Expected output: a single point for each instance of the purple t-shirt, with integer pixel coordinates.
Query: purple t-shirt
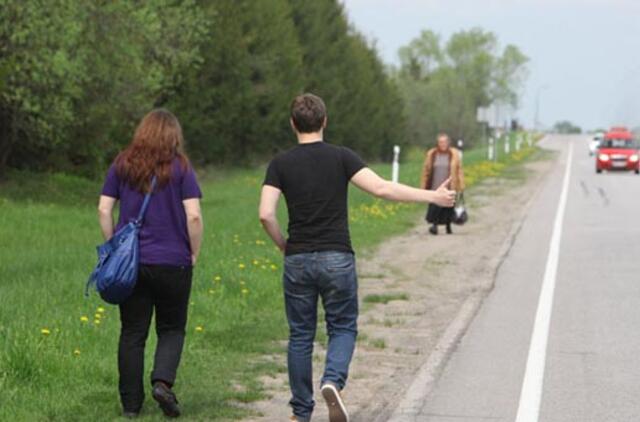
(164, 239)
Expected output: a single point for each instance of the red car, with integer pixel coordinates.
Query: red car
(617, 152)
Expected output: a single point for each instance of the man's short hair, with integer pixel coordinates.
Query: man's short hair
(308, 113)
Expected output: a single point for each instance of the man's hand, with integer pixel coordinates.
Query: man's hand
(444, 197)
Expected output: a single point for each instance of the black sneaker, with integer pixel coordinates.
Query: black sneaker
(433, 229)
(337, 411)
(166, 399)
(449, 231)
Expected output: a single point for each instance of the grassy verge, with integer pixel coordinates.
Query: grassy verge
(58, 350)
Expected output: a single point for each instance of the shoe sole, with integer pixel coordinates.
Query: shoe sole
(168, 404)
(337, 411)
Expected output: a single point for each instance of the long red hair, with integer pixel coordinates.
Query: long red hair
(156, 142)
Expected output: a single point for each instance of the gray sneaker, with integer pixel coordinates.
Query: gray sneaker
(337, 411)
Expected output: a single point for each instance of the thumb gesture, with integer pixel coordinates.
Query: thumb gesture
(445, 197)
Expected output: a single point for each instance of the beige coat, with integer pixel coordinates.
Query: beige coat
(455, 170)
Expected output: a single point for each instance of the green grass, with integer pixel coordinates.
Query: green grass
(385, 298)
(378, 343)
(48, 229)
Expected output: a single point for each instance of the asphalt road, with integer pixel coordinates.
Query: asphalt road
(583, 362)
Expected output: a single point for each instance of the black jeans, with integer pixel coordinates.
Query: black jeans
(165, 289)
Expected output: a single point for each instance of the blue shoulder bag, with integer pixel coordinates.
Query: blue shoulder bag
(116, 273)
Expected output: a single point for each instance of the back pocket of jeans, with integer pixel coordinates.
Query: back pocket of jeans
(340, 266)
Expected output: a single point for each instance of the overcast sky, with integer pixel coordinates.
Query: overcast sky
(586, 52)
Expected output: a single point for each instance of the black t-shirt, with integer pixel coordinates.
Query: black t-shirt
(314, 179)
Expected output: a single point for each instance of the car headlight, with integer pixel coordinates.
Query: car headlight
(603, 157)
(633, 158)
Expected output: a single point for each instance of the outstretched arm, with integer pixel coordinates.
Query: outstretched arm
(268, 208)
(367, 180)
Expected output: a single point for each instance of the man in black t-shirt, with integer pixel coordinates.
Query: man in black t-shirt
(319, 261)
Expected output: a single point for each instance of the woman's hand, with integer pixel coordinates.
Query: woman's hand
(193, 260)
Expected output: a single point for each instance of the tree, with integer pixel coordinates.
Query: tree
(508, 77)
(76, 76)
(422, 56)
(42, 77)
(235, 106)
(566, 127)
(80, 74)
(365, 109)
(443, 84)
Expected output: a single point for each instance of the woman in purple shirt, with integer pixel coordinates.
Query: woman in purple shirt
(170, 241)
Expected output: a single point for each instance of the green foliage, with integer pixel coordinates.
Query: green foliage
(76, 76)
(509, 75)
(79, 74)
(365, 108)
(566, 127)
(443, 84)
(235, 106)
(385, 298)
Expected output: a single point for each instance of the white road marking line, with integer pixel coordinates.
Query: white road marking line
(531, 393)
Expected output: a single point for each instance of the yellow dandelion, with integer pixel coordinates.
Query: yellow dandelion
(76, 352)
(211, 291)
(217, 278)
(84, 318)
(45, 331)
(97, 316)
(256, 262)
(245, 291)
(264, 267)
(242, 283)
(273, 267)
(101, 310)
(96, 321)
(241, 266)
(199, 328)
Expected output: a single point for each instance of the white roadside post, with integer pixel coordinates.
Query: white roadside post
(518, 141)
(395, 167)
(490, 150)
(460, 147)
(507, 145)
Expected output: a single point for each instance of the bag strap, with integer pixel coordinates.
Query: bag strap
(460, 198)
(145, 203)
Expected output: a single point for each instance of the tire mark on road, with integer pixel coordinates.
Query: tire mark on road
(585, 189)
(604, 196)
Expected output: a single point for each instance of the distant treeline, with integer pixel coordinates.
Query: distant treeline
(444, 83)
(76, 76)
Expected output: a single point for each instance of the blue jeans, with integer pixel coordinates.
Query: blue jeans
(332, 277)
